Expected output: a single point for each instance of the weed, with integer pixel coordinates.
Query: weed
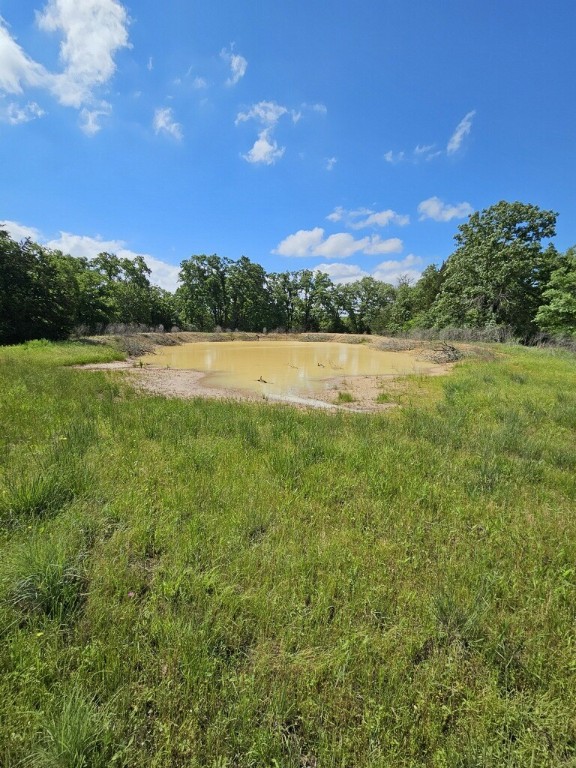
(345, 397)
(43, 579)
(76, 734)
(39, 496)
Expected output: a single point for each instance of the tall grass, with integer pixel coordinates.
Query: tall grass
(228, 584)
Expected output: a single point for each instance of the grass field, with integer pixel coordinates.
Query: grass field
(224, 585)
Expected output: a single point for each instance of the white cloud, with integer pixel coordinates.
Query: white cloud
(362, 218)
(392, 271)
(342, 273)
(376, 245)
(434, 208)
(387, 271)
(320, 108)
(340, 245)
(380, 219)
(462, 130)
(426, 152)
(164, 123)
(20, 231)
(199, 83)
(337, 214)
(237, 63)
(265, 150)
(302, 243)
(150, 65)
(394, 157)
(92, 32)
(268, 113)
(330, 163)
(14, 114)
(90, 118)
(265, 112)
(17, 69)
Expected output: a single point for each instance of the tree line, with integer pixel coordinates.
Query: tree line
(501, 276)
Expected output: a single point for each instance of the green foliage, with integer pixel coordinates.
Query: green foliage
(499, 271)
(557, 315)
(38, 295)
(498, 278)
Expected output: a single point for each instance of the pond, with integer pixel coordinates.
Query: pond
(281, 367)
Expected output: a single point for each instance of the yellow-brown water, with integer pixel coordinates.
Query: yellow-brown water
(281, 367)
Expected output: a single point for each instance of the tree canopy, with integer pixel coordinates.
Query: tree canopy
(502, 275)
(499, 270)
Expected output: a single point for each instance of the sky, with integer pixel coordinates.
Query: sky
(351, 137)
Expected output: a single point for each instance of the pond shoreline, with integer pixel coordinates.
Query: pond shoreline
(363, 390)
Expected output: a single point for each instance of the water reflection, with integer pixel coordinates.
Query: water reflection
(280, 367)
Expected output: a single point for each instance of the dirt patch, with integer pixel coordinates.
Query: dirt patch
(364, 393)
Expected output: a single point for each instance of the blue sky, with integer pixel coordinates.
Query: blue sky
(354, 137)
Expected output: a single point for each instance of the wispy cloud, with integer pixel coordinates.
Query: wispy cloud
(364, 218)
(462, 130)
(341, 245)
(90, 118)
(238, 65)
(394, 157)
(427, 152)
(266, 112)
(92, 32)
(435, 209)
(14, 114)
(164, 122)
(330, 163)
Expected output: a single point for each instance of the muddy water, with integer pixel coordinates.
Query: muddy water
(281, 367)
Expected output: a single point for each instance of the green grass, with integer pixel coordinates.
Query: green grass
(345, 397)
(201, 583)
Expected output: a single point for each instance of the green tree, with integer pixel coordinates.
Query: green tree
(557, 314)
(395, 317)
(203, 294)
(424, 295)
(364, 301)
(499, 270)
(38, 292)
(248, 296)
(283, 287)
